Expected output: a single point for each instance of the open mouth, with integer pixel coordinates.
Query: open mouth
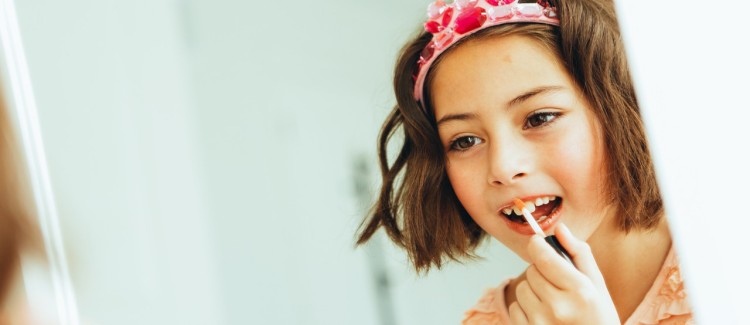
(541, 208)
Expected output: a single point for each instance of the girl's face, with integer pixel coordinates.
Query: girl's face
(514, 124)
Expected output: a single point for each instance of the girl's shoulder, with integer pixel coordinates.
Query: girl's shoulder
(666, 302)
(490, 309)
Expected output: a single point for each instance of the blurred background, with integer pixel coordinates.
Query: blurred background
(211, 161)
(208, 162)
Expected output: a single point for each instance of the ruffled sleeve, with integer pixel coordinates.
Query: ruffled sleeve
(490, 309)
(666, 302)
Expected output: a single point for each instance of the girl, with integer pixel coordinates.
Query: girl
(504, 99)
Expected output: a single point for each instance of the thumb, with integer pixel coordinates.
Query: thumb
(580, 252)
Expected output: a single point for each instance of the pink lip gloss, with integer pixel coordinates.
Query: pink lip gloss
(551, 239)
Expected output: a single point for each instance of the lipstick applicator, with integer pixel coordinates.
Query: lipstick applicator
(551, 239)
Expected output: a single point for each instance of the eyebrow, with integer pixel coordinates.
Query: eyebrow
(457, 117)
(531, 93)
(513, 102)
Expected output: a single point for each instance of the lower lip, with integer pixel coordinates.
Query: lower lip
(525, 228)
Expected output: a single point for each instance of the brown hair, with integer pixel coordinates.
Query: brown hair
(16, 226)
(417, 205)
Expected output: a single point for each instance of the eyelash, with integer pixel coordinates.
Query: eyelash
(554, 116)
(453, 146)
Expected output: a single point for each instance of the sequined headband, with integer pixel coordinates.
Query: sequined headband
(449, 23)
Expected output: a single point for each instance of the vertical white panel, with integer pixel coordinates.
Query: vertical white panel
(690, 62)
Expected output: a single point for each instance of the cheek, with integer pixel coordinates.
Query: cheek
(576, 162)
(465, 179)
(460, 178)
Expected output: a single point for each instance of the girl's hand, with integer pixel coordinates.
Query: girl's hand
(555, 292)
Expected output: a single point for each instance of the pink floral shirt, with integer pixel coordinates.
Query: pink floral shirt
(665, 303)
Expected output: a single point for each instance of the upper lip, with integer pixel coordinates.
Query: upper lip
(533, 198)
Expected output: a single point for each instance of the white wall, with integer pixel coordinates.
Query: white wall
(203, 155)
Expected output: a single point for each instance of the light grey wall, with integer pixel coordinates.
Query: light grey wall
(203, 156)
(111, 82)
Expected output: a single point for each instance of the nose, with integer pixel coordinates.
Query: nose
(508, 162)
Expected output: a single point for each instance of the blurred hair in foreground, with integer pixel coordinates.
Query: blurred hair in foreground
(18, 233)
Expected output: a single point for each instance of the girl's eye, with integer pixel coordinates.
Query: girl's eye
(540, 119)
(464, 143)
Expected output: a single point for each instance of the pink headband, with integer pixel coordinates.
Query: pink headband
(450, 23)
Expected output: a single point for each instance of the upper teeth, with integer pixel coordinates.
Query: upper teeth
(530, 205)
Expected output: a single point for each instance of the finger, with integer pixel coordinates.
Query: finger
(517, 316)
(580, 252)
(544, 290)
(552, 266)
(527, 299)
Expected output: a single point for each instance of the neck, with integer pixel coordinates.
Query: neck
(630, 262)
